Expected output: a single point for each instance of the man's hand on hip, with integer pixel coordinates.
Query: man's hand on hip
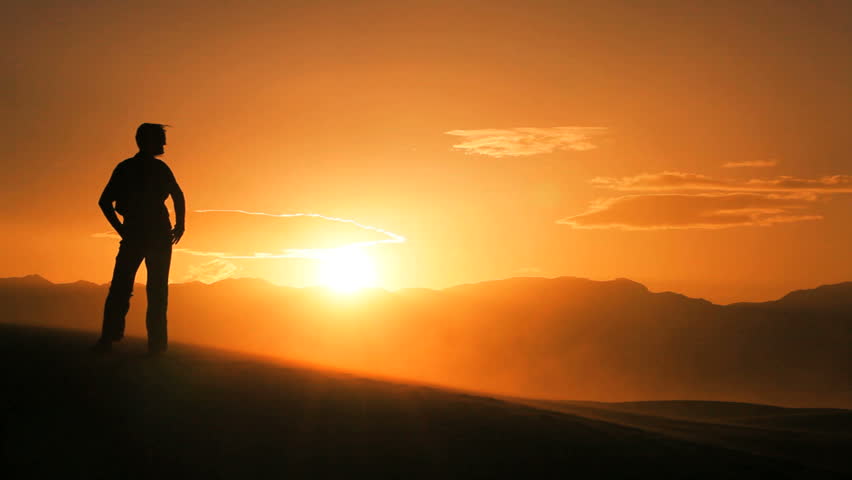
(177, 233)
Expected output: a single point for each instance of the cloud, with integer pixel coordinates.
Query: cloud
(314, 253)
(680, 181)
(212, 271)
(751, 164)
(679, 200)
(111, 235)
(692, 211)
(525, 141)
(240, 234)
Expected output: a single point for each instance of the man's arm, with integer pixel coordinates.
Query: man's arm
(105, 202)
(180, 213)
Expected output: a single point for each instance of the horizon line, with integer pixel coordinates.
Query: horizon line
(394, 290)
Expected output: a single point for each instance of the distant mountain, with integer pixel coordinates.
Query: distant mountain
(536, 337)
(824, 297)
(27, 281)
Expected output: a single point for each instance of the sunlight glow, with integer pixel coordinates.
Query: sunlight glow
(346, 270)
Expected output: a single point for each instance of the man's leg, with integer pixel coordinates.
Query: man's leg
(120, 290)
(158, 260)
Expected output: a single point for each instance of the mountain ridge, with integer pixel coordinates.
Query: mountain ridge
(36, 280)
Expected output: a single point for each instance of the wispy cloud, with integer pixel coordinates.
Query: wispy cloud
(692, 211)
(680, 181)
(212, 271)
(111, 235)
(221, 252)
(751, 164)
(315, 253)
(526, 141)
(680, 200)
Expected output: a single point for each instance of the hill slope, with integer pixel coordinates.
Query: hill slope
(811, 436)
(210, 414)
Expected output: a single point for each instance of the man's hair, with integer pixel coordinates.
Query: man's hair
(148, 132)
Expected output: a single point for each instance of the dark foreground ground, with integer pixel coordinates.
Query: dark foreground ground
(198, 413)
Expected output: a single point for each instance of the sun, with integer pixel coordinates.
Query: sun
(347, 270)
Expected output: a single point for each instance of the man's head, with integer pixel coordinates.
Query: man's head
(151, 137)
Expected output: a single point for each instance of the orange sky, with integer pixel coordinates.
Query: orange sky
(497, 139)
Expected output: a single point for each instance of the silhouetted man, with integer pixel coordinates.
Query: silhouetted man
(139, 187)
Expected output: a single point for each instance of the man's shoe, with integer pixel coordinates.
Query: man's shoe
(102, 346)
(155, 351)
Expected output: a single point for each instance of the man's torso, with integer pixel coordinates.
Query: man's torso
(142, 185)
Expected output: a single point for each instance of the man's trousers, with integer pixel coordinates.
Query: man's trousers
(156, 251)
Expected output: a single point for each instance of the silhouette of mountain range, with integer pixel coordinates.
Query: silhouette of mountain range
(560, 338)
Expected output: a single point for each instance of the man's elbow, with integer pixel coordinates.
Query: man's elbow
(104, 204)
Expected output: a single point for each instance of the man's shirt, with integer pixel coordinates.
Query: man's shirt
(139, 186)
